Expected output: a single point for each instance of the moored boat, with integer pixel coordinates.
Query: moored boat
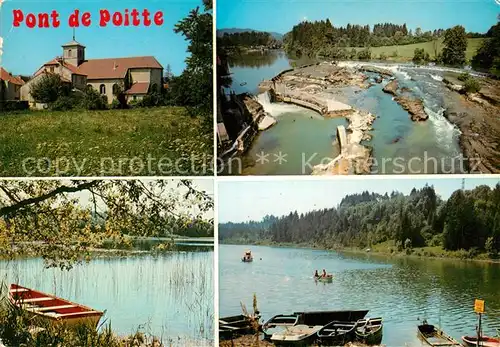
(434, 336)
(278, 323)
(52, 308)
(484, 341)
(297, 335)
(369, 331)
(232, 326)
(337, 333)
(247, 257)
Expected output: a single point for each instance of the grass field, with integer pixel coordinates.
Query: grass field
(406, 52)
(137, 142)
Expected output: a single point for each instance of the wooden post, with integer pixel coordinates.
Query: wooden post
(479, 331)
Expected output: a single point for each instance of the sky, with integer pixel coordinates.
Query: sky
(25, 49)
(240, 201)
(281, 15)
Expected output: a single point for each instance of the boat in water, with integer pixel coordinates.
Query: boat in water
(369, 331)
(52, 309)
(247, 257)
(337, 333)
(233, 326)
(484, 341)
(434, 336)
(326, 279)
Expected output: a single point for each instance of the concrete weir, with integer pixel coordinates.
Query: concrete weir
(311, 87)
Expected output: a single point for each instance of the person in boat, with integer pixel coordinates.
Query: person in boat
(316, 274)
(324, 274)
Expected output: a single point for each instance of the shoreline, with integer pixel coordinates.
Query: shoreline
(353, 250)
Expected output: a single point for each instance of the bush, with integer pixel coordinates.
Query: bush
(92, 100)
(395, 54)
(152, 100)
(63, 103)
(365, 54)
(472, 85)
(115, 105)
(420, 56)
(13, 105)
(49, 88)
(383, 56)
(490, 247)
(464, 76)
(399, 246)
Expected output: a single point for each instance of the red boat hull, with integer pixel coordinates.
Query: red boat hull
(485, 341)
(51, 308)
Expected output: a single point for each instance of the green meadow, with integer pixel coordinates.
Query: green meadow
(406, 52)
(161, 141)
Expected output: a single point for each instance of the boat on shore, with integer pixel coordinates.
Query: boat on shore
(232, 326)
(282, 322)
(434, 336)
(297, 335)
(51, 308)
(278, 323)
(247, 257)
(369, 331)
(337, 333)
(484, 341)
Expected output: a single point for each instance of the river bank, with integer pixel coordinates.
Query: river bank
(476, 115)
(251, 341)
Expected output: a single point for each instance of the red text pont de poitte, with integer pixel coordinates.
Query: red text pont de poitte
(77, 18)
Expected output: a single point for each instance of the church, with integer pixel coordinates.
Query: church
(135, 76)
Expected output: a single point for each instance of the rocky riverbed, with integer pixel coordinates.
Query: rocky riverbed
(477, 116)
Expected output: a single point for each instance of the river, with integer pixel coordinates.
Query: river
(308, 139)
(169, 296)
(403, 291)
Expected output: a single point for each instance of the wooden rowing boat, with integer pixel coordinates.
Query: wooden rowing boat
(484, 341)
(232, 326)
(297, 335)
(51, 308)
(278, 323)
(337, 333)
(369, 331)
(435, 337)
(327, 279)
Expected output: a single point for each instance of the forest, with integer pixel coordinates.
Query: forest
(468, 222)
(307, 37)
(249, 39)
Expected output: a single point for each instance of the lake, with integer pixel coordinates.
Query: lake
(403, 291)
(169, 296)
(306, 137)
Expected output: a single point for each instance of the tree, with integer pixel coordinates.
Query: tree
(49, 88)
(455, 42)
(420, 56)
(197, 77)
(49, 218)
(488, 55)
(168, 75)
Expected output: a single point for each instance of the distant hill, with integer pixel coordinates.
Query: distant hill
(221, 32)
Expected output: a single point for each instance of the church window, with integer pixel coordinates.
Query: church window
(102, 89)
(116, 89)
(69, 53)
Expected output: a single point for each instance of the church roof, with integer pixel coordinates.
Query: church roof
(115, 67)
(138, 88)
(73, 43)
(71, 67)
(6, 76)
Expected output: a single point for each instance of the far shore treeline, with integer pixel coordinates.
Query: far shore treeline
(321, 39)
(467, 225)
